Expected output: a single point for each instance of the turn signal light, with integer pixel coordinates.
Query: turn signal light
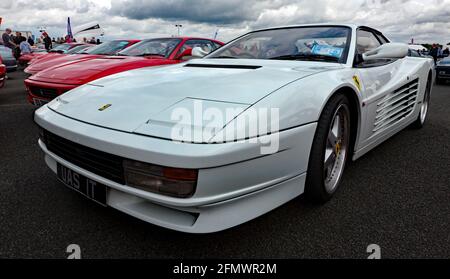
(175, 182)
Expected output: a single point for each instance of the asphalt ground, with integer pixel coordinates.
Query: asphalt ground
(397, 196)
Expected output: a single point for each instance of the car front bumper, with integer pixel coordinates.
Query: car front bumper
(443, 73)
(50, 91)
(236, 183)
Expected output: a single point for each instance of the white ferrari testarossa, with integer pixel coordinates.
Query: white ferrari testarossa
(211, 143)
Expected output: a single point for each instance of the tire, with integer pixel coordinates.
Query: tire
(329, 151)
(425, 105)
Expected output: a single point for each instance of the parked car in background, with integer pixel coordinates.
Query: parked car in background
(52, 82)
(56, 50)
(182, 146)
(2, 73)
(415, 53)
(52, 55)
(8, 59)
(443, 71)
(108, 48)
(36, 52)
(64, 48)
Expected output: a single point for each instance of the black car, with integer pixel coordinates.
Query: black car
(443, 70)
(8, 59)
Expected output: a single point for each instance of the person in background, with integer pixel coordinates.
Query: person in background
(17, 40)
(92, 41)
(31, 41)
(440, 54)
(7, 40)
(446, 52)
(98, 42)
(47, 41)
(85, 40)
(25, 47)
(434, 53)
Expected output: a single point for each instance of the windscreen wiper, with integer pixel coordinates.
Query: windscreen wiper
(310, 57)
(225, 57)
(151, 54)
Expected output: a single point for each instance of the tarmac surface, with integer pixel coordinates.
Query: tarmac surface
(397, 196)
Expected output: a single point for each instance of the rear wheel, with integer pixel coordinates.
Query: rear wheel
(420, 121)
(329, 151)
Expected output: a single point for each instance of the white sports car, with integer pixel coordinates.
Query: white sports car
(211, 143)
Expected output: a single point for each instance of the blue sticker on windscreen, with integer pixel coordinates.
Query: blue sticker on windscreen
(327, 50)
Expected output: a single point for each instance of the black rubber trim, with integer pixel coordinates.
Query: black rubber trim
(248, 67)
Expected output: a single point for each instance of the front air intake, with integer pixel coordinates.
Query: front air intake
(246, 67)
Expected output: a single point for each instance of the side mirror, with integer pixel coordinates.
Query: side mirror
(199, 52)
(187, 52)
(387, 51)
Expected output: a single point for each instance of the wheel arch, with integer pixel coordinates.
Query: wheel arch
(355, 111)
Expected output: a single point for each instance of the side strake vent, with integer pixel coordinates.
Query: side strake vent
(248, 67)
(396, 106)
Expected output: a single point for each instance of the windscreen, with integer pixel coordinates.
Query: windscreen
(299, 43)
(108, 48)
(153, 47)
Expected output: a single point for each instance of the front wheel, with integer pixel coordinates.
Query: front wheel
(329, 150)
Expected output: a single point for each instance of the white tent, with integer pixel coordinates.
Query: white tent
(88, 30)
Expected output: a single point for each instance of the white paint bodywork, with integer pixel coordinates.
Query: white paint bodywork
(236, 183)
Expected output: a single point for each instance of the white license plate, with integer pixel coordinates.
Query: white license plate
(83, 185)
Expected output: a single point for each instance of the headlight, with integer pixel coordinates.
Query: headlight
(173, 182)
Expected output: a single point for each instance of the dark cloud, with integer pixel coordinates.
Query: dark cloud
(401, 20)
(204, 11)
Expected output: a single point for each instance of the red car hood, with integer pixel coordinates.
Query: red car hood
(29, 56)
(84, 71)
(55, 60)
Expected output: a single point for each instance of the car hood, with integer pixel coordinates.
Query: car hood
(56, 60)
(81, 72)
(144, 101)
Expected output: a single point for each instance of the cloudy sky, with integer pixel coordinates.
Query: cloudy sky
(401, 20)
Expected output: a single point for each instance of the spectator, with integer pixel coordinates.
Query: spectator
(434, 53)
(85, 40)
(92, 41)
(98, 42)
(25, 47)
(47, 41)
(7, 40)
(17, 40)
(31, 41)
(440, 54)
(446, 52)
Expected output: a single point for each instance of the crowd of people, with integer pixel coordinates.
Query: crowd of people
(67, 39)
(437, 51)
(22, 45)
(17, 43)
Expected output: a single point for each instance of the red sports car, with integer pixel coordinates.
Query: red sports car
(48, 61)
(48, 84)
(2, 73)
(52, 55)
(37, 52)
